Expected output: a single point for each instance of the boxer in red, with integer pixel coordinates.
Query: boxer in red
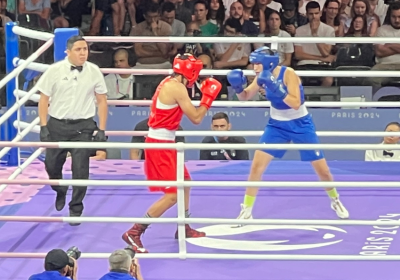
(170, 102)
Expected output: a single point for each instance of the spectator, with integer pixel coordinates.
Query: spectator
(388, 55)
(248, 27)
(231, 55)
(358, 27)
(5, 12)
(57, 264)
(315, 56)
(136, 154)
(168, 15)
(274, 28)
(34, 13)
(291, 19)
(220, 122)
(150, 54)
(122, 267)
(120, 86)
(362, 7)
(331, 17)
(253, 13)
(200, 14)
(182, 13)
(267, 6)
(303, 5)
(386, 155)
(345, 11)
(216, 13)
(192, 29)
(109, 11)
(67, 13)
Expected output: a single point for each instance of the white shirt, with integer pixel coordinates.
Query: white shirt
(377, 155)
(241, 51)
(118, 87)
(72, 93)
(324, 30)
(388, 31)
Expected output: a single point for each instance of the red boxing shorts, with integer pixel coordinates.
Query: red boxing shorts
(161, 165)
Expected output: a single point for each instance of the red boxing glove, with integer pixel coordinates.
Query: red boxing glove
(210, 89)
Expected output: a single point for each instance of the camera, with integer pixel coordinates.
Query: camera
(73, 252)
(130, 251)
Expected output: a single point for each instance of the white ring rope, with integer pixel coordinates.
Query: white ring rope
(239, 104)
(30, 33)
(36, 129)
(197, 146)
(208, 72)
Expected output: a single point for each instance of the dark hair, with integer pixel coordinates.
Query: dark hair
(393, 123)
(364, 30)
(151, 7)
(336, 20)
(282, 26)
(394, 6)
(71, 41)
(219, 116)
(167, 7)
(201, 2)
(255, 11)
(234, 23)
(312, 5)
(220, 15)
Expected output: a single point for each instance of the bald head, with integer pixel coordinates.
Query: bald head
(121, 59)
(120, 259)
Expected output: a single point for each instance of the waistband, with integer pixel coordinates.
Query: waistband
(161, 134)
(288, 114)
(70, 121)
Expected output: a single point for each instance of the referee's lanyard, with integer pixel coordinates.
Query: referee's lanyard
(128, 91)
(225, 152)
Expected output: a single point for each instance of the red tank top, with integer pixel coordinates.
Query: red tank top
(167, 118)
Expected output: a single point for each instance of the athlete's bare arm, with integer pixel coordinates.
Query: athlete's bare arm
(292, 82)
(249, 92)
(178, 94)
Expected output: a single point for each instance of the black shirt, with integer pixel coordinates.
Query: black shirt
(220, 154)
(143, 126)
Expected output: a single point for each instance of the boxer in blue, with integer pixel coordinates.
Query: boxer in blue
(289, 122)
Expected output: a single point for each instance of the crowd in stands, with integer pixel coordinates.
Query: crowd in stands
(196, 18)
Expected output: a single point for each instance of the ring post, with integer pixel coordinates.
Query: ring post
(61, 36)
(180, 178)
(12, 51)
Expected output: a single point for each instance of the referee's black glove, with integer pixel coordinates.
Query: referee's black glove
(44, 134)
(100, 136)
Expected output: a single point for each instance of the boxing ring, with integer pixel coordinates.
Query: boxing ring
(294, 231)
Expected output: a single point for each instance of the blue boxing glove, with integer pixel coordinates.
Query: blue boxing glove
(237, 80)
(267, 80)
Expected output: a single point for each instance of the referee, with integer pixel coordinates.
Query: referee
(69, 90)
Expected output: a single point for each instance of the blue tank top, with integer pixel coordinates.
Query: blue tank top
(276, 102)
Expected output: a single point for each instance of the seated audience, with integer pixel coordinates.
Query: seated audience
(285, 50)
(150, 54)
(253, 13)
(34, 13)
(120, 86)
(315, 56)
(362, 7)
(233, 55)
(216, 13)
(182, 12)
(248, 27)
(358, 27)
(67, 13)
(388, 55)
(109, 12)
(291, 18)
(137, 154)
(5, 12)
(331, 17)
(220, 122)
(192, 30)
(207, 28)
(386, 155)
(168, 13)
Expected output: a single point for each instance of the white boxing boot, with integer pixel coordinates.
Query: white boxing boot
(244, 214)
(338, 207)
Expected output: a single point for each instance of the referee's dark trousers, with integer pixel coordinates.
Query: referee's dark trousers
(80, 130)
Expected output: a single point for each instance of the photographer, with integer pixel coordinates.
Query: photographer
(123, 266)
(58, 265)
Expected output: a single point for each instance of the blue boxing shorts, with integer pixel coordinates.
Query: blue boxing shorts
(298, 131)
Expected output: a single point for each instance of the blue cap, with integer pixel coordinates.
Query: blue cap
(265, 56)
